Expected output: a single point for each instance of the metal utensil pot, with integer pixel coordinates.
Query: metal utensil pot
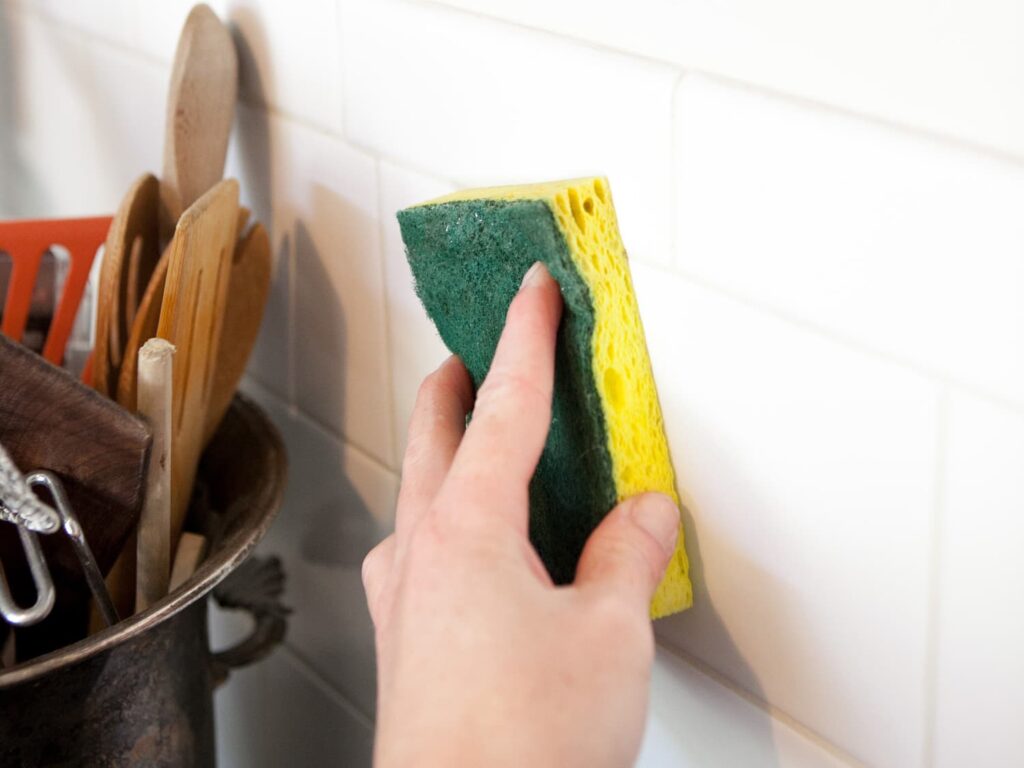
(140, 693)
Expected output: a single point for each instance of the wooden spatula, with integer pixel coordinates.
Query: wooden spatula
(191, 318)
(247, 296)
(49, 420)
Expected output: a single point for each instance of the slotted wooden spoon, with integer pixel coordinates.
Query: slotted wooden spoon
(192, 317)
(148, 318)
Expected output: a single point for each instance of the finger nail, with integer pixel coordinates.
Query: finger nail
(658, 515)
(534, 276)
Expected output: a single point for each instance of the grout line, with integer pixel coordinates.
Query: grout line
(312, 423)
(302, 664)
(935, 553)
(355, 145)
(770, 709)
(88, 36)
(273, 110)
(932, 134)
(837, 337)
(927, 133)
(564, 37)
(911, 130)
(408, 165)
(388, 340)
(347, 442)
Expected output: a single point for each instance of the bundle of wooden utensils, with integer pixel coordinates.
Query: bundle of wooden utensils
(182, 285)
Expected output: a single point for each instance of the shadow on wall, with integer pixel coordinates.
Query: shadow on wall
(672, 632)
(331, 538)
(337, 534)
(252, 134)
(326, 525)
(20, 194)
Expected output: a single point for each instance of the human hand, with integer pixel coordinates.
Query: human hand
(482, 661)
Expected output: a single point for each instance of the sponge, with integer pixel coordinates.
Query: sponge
(468, 253)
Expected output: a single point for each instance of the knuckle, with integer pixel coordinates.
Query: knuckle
(504, 388)
(430, 389)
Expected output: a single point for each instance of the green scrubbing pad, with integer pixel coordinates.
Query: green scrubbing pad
(468, 254)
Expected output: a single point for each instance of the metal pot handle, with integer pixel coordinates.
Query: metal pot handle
(255, 586)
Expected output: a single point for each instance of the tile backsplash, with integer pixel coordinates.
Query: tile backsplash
(824, 221)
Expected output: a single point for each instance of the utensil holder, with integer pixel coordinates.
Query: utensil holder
(140, 693)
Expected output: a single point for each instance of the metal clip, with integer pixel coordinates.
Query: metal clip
(20, 505)
(93, 575)
(39, 610)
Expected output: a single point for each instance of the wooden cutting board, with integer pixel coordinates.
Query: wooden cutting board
(50, 420)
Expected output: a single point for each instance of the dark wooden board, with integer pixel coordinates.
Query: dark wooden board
(50, 420)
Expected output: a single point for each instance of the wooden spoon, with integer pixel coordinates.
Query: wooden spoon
(191, 318)
(200, 111)
(130, 241)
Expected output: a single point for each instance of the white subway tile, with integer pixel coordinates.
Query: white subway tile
(955, 70)
(288, 57)
(81, 121)
(324, 200)
(337, 506)
(416, 348)
(277, 713)
(111, 21)
(980, 683)
(693, 722)
(906, 245)
(483, 103)
(158, 25)
(807, 473)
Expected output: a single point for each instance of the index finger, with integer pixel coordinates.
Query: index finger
(503, 442)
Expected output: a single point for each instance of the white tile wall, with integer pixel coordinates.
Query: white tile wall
(486, 104)
(908, 246)
(289, 57)
(955, 68)
(338, 505)
(278, 713)
(807, 470)
(156, 28)
(833, 305)
(981, 619)
(81, 119)
(324, 195)
(694, 721)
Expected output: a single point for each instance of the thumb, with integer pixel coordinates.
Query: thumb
(629, 551)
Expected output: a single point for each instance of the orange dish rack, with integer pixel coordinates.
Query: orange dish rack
(26, 243)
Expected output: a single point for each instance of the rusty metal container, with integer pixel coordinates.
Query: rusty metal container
(140, 693)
